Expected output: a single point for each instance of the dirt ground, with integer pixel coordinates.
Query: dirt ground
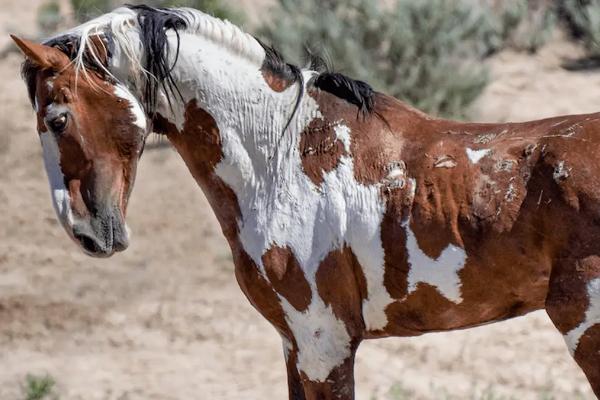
(166, 319)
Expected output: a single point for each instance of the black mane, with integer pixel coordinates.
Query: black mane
(359, 93)
(154, 24)
(356, 92)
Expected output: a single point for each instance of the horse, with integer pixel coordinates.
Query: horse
(350, 215)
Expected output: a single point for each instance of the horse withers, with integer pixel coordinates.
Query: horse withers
(350, 215)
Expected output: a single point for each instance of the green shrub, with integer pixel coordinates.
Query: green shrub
(48, 17)
(521, 24)
(86, 9)
(49, 14)
(212, 7)
(39, 388)
(425, 52)
(583, 17)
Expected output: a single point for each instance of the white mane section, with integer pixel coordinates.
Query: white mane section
(122, 26)
(224, 33)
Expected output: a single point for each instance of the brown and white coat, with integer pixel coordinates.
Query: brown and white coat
(348, 225)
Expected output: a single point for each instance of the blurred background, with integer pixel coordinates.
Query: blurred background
(166, 320)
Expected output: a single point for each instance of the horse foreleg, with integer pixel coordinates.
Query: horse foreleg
(295, 387)
(573, 304)
(306, 379)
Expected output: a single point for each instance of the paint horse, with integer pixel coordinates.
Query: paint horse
(350, 215)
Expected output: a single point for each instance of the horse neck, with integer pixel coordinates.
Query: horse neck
(227, 93)
(231, 88)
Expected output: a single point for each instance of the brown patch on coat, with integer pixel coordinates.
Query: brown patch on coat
(568, 297)
(495, 284)
(393, 240)
(295, 385)
(201, 128)
(199, 144)
(507, 200)
(342, 285)
(320, 150)
(286, 277)
(339, 384)
(374, 145)
(258, 290)
(275, 81)
(587, 356)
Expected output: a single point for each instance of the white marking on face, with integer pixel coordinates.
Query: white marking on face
(59, 192)
(139, 117)
(476, 155)
(592, 317)
(441, 273)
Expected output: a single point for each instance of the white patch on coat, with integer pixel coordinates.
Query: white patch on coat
(441, 273)
(511, 193)
(139, 117)
(477, 155)
(323, 341)
(396, 177)
(445, 161)
(59, 192)
(561, 172)
(342, 133)
(592, 317)
(395, 174)
(505, 165)
(261, 163)
(287, 347)
(280, 205)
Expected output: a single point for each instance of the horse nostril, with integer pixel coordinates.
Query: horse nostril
(88, 243)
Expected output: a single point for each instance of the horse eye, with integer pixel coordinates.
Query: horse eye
(58, 124)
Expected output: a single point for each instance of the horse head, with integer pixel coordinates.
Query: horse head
(92, 131)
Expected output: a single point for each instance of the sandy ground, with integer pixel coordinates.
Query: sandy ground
(166, 320)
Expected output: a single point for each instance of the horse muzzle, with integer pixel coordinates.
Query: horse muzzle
(102, 235)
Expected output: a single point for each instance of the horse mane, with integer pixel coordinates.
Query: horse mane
(356, 92)
(149, 53)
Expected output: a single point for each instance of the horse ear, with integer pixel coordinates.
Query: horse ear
(42, 55)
